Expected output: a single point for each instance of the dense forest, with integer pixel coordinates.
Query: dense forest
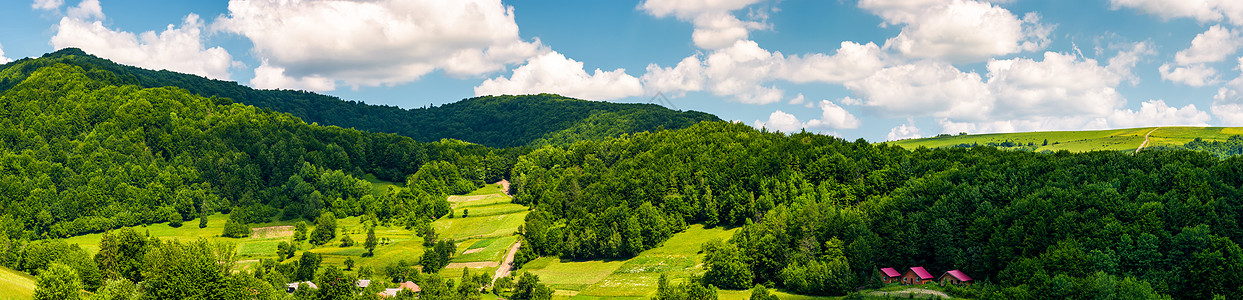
(502, 121)
(80, 152)
(819, 215)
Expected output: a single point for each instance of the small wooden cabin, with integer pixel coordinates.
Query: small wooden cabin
(889, 275)
(955, 277)
(916, 275)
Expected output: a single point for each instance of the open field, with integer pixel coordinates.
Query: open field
(1082, 141)
(16, 285)
(635, 278)
(487, 233)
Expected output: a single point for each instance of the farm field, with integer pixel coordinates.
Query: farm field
(1082, 141)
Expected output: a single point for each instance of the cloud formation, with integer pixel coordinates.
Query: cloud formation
(552, 72)
(959, 31)
(1203, 11)
(3, 60)
(715, 25)
(306, 43)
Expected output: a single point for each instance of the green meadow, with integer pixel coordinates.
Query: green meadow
(1081, 141)
(16, 285)
(487, 233)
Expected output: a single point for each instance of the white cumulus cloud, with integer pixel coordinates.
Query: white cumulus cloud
(1196, 75)
(1203, 11)
(178, 49)
(687, 76)
(47, 4)
(835, 117)
(715, 25)
(1214, 45)
(3, 60)
(1228, 114)
(552, 72)
(1061, 84)
(86, 10)
(1157, 113)
(923, 88)
(781, 121)
(384, 42)
(902, 132)
(958, 30)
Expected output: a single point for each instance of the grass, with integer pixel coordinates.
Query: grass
(634, 278)
(380, 187)
(1083, 141)
(479, 226)
(494, 250)
(16, 285)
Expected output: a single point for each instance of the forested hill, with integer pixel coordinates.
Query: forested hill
(503, 121)
(80, 151)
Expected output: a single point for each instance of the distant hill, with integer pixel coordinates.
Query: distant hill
(501, 121)
(1080, 141)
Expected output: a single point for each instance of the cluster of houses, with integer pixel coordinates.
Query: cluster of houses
(917, 275)
(362, 284)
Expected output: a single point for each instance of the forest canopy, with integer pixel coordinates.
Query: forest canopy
(494, 121)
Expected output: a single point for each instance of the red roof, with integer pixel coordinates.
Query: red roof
(919, 271)
(410, 286)
(890, 272)
(959, 274)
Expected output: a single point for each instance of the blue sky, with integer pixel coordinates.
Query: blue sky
(873, 69)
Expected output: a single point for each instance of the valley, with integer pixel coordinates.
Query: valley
(118, 182)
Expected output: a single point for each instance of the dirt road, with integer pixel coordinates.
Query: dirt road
(508, 264)
(1145, 143)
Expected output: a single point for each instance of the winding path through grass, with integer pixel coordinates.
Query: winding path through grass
(1145, 143)
(508, 263)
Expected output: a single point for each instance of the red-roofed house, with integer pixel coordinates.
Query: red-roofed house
(916, 275)
(410, 286)
(955, 277)
(889, 275)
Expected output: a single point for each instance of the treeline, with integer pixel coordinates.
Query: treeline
(133, 266)
(1222, 149)
(504, 121)
(820, 215)
(81, 154)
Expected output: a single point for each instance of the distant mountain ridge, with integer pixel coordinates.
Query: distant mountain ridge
(495, 121)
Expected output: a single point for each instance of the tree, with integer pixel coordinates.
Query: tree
(235, 228)
(285, 250)
(726, 265)
(759, 292)
(121, 254)
(325, 229)
(186, 270)
(334, 284)
(58, 282)
(299, 231)
(307, 265)
(370, 243)
(349, 263)
(346, 241)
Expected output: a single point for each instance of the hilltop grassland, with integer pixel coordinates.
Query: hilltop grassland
(1078, 141)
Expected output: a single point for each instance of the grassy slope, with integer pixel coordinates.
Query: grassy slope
(635, 278)
(493, 219)
(1082, 141)
(16, 285)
